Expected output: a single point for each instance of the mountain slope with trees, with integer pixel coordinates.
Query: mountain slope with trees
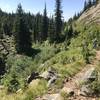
(46, 51)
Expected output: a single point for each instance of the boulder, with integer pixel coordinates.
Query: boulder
(34, 75)
(50, 75)
(52, 97)
(45, 75)
(89, 76)
(69, 91)
(84, 91)
(20, 91)
(51, 81)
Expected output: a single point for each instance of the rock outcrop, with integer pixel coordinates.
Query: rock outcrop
(7, 46)
(91, 15)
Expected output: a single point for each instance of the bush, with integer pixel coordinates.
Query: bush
(13, 85)
(95, 87)
(18, 69)
(64, 95)
(35, 91)
(2, 66)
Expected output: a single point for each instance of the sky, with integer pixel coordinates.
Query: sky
(69, 7)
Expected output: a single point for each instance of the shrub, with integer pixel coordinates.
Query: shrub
(95, 87)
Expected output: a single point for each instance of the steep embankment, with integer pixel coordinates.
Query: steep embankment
(91, 15)
(88, 25)
(74, 83)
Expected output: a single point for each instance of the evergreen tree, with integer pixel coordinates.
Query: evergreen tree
(85, 5)
(90, 3)
(58, 20)
(94, 2)
(75, 17)
(97, 1)
(38, 28)
(45, 25)
(51, 30)
(6, 27)
(22, 34)
(2, 66)
(70, 31)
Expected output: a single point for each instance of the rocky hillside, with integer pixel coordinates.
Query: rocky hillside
(55, 70)
(6, 45)
(91, 15)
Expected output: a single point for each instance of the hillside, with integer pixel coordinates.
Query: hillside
(67, 68)
(91, 15)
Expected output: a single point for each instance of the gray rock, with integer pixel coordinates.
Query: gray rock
(19, 91)
(48, 74)
(52, 97)
(98, 76)
(89, 76)
(69, 91)
(45, 75)
(52, 80)
(84, 91)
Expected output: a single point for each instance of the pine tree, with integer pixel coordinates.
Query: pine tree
(22, 34)
(58, 20)
(70, 31)
(89, 4)
(85, 5)
(94, 2)
(51, 30)
(6, 26)
(45, 25)
(75, 17)
(38, 28)
(2, 66)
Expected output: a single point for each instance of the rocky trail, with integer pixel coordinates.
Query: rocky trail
(74, 83)
(72, 86)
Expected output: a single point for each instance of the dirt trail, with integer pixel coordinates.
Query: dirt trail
(74, 83)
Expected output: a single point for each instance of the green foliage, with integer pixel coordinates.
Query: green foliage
(46, 53)
(64, 95)
(51, 30)
(58, 20)
(89, 3)
(20, 67)
(95, 87)
(68, 32)
(85, 52)
(22, 33)
(2, 66)
(66, 58)
(45, 25)
(36, 91)
(13, 84)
